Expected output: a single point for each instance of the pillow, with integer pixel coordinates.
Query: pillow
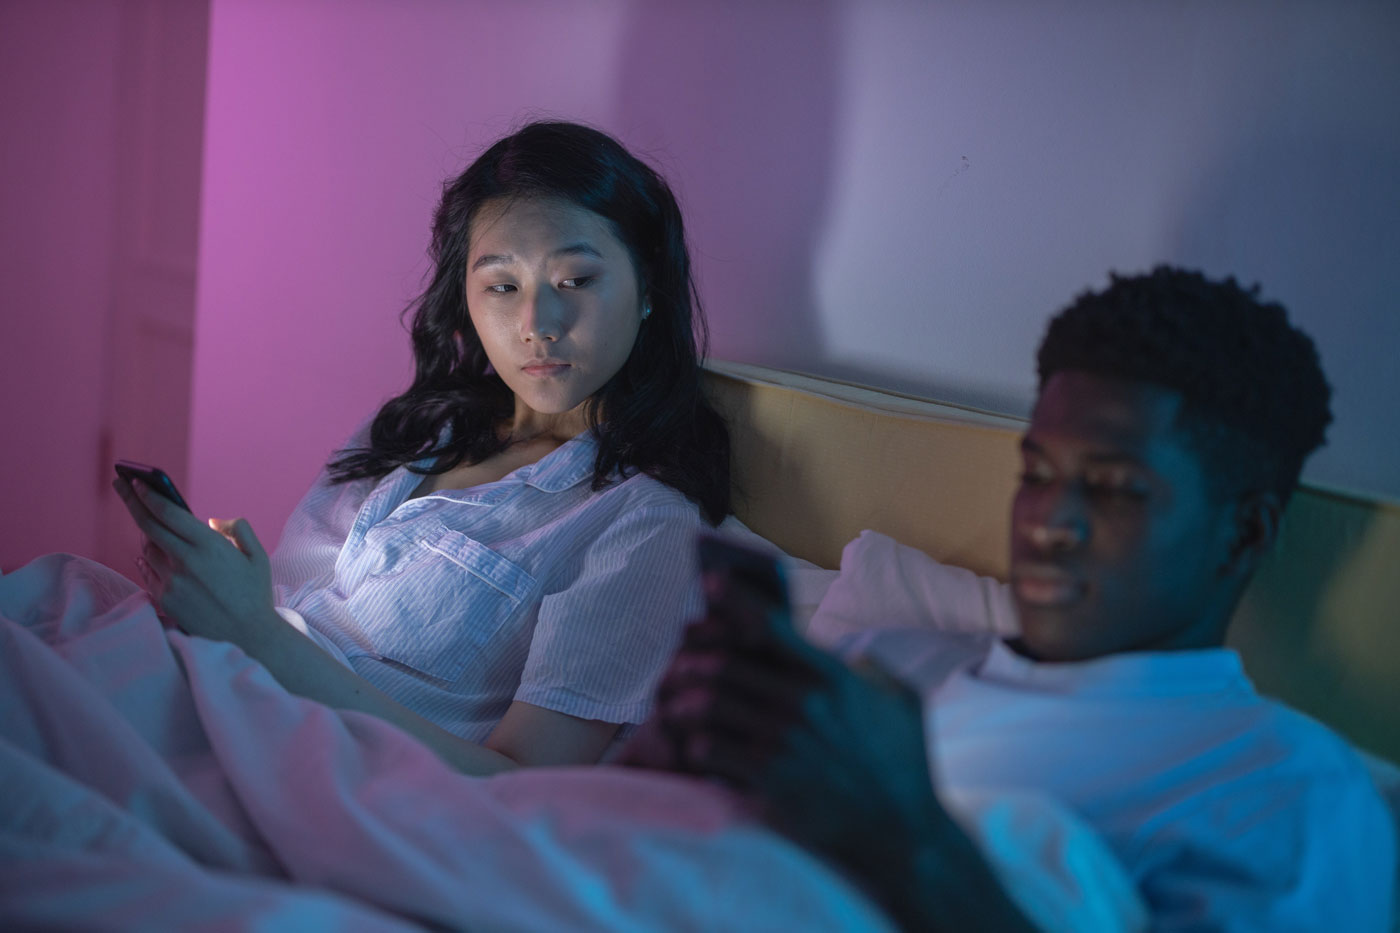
(807, 583)
(885, 584)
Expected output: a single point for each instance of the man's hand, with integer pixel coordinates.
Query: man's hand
(211, 580)
(835, 759)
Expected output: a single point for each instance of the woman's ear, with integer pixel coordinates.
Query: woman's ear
(1256, 523)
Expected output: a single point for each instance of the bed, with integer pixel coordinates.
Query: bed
(134, 795)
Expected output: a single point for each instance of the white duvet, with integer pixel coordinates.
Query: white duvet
(152, 780)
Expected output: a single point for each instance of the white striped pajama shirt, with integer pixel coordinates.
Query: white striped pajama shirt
(532, 588)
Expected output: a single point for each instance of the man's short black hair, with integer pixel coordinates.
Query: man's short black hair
(1256, 401)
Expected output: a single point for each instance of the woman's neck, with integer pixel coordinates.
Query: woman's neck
(528, 426)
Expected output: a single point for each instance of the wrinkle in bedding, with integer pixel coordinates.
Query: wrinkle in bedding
(200, 792)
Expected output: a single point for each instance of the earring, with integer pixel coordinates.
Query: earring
(646, 311)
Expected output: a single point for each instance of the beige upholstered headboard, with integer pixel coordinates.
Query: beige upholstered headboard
(817, 461)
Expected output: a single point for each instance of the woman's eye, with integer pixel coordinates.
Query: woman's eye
(500, 289)
(578, 281)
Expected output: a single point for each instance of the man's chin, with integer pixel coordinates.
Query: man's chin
(1055, 634)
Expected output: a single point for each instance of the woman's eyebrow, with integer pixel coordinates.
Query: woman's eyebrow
(577, 249)
(505, 259)
(492, 259)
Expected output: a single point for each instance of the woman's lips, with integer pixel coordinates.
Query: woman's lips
(1046, 589)
(544, 369)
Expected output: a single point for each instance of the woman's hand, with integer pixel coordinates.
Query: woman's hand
(211, 580)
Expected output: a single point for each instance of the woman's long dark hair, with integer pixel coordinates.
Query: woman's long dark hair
(651, 416)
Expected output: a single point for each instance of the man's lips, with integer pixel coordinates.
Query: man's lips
(544, 368)
(1046, 587)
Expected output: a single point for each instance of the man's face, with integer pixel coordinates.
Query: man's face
(1116, 544)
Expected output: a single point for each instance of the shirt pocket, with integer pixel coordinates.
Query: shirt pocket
(440, 604)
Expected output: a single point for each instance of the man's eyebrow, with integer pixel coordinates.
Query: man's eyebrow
(504, 259)
(1117, 457)
(1029, 446)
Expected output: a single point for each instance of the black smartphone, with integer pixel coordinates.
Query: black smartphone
(154, 477)
(722, 559)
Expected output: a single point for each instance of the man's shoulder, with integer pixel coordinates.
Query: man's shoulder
(1293, 831)
(1303, 746)
(1261, 769)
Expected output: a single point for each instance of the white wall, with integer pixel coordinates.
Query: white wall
(894, 192)
(993, 161)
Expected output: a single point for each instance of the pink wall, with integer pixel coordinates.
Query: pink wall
(102, 113)
(58, 63)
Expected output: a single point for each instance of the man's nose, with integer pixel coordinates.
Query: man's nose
(1059, 522)
(1055, 538)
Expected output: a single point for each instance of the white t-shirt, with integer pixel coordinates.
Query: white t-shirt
(531, 588)
(1229, 810)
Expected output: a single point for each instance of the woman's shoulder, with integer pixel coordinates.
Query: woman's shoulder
(643, 490)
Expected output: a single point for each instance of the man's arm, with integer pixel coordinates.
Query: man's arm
(835, 759)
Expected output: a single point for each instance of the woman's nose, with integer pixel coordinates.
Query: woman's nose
(542, 319)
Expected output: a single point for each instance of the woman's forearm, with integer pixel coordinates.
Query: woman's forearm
(303, 668)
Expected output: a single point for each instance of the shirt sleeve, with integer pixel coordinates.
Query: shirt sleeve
(1277, 856)
(601, 644)
(315, 530)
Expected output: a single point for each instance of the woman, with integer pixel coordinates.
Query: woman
(504, 556)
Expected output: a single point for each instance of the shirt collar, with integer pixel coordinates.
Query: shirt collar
(564, 467)
(1134, 673)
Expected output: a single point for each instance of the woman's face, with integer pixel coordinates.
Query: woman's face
(555, 299)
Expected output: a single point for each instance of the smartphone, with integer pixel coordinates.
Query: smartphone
(722, 559)
(154, 477)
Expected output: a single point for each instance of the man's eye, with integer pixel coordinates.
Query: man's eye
(578, 281)
(1034, 476)
(1116, 488)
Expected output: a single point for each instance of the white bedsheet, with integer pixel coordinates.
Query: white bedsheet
(155, 780)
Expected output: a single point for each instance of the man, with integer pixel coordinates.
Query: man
(1173, 418)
